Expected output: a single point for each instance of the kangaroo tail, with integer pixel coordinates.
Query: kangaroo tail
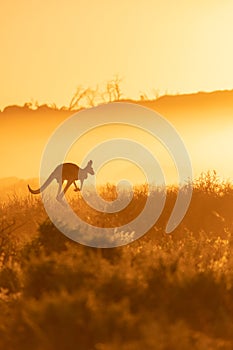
(43, 187)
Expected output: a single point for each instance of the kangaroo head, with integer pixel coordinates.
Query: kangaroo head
(89, 167)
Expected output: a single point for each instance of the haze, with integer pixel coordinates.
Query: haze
(203, 120)
(48, 49)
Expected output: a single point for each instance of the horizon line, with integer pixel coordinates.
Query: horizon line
(35, 105)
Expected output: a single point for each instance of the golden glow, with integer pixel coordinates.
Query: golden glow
(48, 48)
(207, 136)
(117, 170)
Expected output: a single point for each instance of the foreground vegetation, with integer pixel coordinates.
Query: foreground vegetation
(160, 292)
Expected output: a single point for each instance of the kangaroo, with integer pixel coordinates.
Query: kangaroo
(66, 171)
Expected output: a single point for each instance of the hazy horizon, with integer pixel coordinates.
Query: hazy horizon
(34, 104)
(203, 120)
(134, 50)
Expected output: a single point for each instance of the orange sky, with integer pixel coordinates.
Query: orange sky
(48, 48)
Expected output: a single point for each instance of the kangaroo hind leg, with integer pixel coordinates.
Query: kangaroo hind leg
(59, 191)
(60, 196)
(76, 189)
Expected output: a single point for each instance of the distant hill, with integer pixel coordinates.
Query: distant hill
(210, 105)
(203, 119)
(198, 101)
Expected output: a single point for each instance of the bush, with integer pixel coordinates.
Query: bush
(160, 292)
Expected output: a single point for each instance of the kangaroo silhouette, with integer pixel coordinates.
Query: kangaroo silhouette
(66, 171)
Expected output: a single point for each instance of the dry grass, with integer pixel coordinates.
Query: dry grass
(160, 292)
